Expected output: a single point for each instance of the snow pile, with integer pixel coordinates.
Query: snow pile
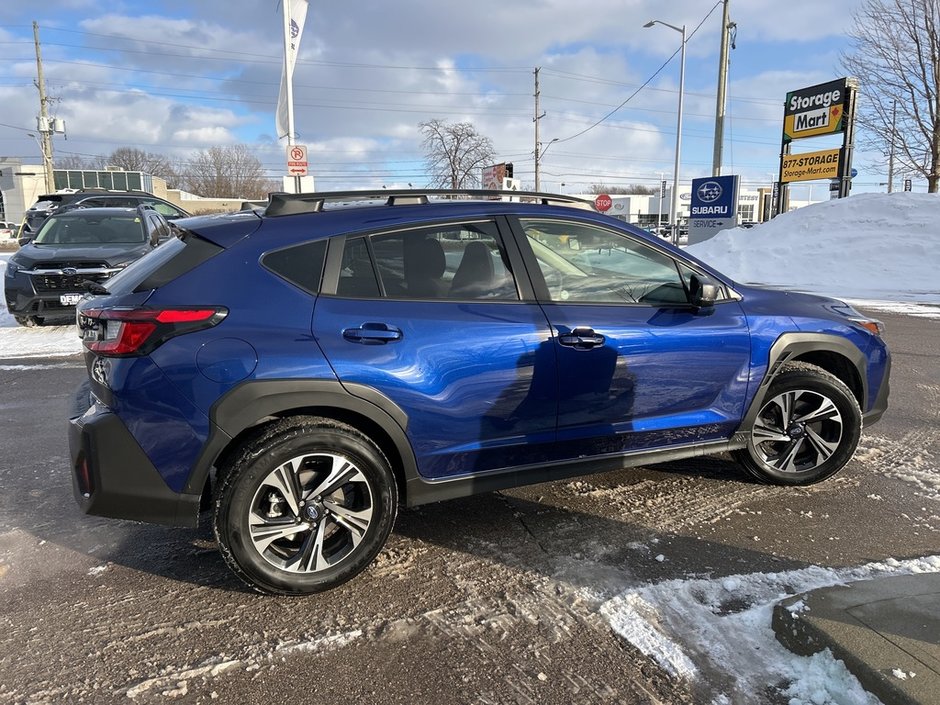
(717, 632)
(18, 342)
(868, 246)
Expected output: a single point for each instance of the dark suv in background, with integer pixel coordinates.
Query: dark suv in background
(310, 365)
(74, 252)
(92, 198)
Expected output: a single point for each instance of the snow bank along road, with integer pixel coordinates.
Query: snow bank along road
(643, 586)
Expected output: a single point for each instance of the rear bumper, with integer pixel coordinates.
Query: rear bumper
(113, 477)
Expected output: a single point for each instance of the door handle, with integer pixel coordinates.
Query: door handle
(372, 334)
(581, 339)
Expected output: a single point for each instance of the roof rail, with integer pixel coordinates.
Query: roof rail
(293, 203)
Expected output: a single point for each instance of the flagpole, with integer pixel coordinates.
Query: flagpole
(289, 83)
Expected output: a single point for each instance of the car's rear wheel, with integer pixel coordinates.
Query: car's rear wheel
(304, 507)
(807, 429)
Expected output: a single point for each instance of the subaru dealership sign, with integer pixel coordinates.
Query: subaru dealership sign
(714, 206)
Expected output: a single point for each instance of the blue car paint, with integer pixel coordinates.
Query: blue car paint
(484, 385)
(477, 380)
(167, 426)
(766, 308)
(658, 370)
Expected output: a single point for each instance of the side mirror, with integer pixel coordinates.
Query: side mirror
(704, 291)
(25, 240)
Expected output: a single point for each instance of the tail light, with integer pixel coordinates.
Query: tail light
(119, 332)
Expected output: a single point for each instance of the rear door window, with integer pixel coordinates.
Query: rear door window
(456, 261)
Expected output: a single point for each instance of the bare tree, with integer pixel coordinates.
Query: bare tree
(133, 159)
(226, 172)
(78, 162)
(629, 189)
(455, 153)
(896, 57)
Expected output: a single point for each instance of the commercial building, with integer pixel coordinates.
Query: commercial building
(650, 211)
(21, 185)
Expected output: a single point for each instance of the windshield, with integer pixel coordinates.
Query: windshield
(45, 205)
(93, 230)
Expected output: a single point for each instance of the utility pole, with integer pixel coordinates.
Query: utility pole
(45, 126)
(894, 123)
(726, 27)
(538, 116)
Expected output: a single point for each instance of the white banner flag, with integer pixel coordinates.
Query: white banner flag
(297, 15)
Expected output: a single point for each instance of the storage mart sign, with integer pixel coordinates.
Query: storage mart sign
(813, 111)
(811, 166)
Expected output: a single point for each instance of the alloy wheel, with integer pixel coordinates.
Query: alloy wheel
(311, 513)
(797, 431)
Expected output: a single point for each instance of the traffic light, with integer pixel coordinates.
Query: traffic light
(508, 170)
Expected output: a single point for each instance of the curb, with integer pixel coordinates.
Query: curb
(886, 631)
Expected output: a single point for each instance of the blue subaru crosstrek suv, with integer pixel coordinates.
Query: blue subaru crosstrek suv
(304, 368)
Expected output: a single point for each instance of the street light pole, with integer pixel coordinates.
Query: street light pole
(674, 204)
(659, 204)
(894, 128)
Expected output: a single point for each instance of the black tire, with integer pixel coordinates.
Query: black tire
(807, 429)
(340, 526)
(29, 321)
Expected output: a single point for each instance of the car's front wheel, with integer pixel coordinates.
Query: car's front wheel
(29, 321)
(807, 429)
(304, 507)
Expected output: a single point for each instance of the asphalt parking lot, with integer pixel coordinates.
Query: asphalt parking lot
(496, 598)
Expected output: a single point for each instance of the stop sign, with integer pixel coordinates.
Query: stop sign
(603, 202)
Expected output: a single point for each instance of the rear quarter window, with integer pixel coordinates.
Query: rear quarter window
(301, 265)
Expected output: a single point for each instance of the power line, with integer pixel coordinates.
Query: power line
(647, 81)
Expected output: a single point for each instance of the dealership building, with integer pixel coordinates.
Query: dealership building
(21, 185)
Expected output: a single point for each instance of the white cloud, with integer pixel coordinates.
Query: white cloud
(366, 79)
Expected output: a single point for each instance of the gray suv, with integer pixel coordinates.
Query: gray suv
(92, 198)
(75, 252)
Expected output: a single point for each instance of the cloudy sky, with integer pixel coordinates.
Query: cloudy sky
(182, 75)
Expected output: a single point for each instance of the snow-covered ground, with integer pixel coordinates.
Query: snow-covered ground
(701, 628)
(876, 248)
(879, 251)
(41, 342)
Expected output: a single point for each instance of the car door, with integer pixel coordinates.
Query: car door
(437, 320)
(639, 368)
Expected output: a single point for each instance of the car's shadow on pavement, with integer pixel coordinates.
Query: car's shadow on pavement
(570, 527)
(582, 532)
